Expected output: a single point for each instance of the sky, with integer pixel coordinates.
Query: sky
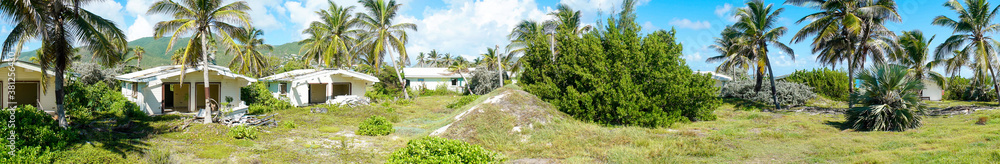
(468, 27)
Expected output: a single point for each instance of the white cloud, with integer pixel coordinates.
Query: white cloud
(687, 23)
(783, 60)
(140, 28)
(109, 10)
(696, 56)
(468, 28)
(263, 13)
(725, 12)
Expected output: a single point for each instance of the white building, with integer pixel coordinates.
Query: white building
(720, 80)
(432, 78)
(158, 90)
(931, 91)
(27, 86)
(316, 86)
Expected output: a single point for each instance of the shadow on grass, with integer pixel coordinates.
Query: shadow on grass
(746, 105)
(841, 125)
(121, 136)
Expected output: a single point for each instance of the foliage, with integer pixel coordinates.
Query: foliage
(791, 94)
(827, 82)
(375, 126)
(890, 100)
(484, 80)
(243, 132)
(91, 73)
(616, 77)
(34, 128)
(442, 150)
(963, 89)
(93, 102)
(440, 90)
(388, 87)
(30, 154)
(465, 100)
(260, 99)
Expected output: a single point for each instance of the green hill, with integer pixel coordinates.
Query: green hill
(157, 55)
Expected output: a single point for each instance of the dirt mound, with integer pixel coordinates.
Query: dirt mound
(507, 111)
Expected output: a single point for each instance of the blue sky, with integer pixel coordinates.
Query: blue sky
(468, 27)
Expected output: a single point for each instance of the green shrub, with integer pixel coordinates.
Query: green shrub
(375, 126)
(613, 76)
(963, 89)
(889, 102)
(260, 99)
(86, 103)
(243, 132)
(31, 154)
(388, 87)
(789, 94)
(289, 125)
(465, 100)
(827, 82)
(484, 80)
(34, 128)
(441, 150)
(440, 90)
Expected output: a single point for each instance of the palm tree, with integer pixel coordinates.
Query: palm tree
(433, 58)
(757, 29)
(569, 19)
(890, 101)
(332, 38)
(421, 59)
(914, 53)
(137, 53)
(200, 18)
(459, 67)
(971, 31)
(248, 60)
(848, 30)
(731, 53)
(953, 65)
(60, 25)
(386, 35)
(192, 57)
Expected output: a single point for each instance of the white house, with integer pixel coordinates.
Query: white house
(158, 90)
(26, 86)
(932, 91)
(432, 78)
(316, 86)
(720, 80)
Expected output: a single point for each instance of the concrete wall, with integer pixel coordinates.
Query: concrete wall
(433, 83)
(151, 96)
(47, 99)
(298, 92)
(932, 90)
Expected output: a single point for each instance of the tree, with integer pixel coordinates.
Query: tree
(972, 31)
(914, 54)
(889, 102)
(332, 39)
(386, 36)
(756, 30)
(459, 67)
(732, 54)
(248, 60)
(60, 25)
(848, 30)
(202, 19)
(421, 59)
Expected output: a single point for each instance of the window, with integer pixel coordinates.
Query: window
(284, 88)
(420, 80)
(454, 81)
(407, 82)
(135, 89)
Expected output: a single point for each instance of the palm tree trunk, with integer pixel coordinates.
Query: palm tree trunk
(60, 93)
(996, 87)
(204, 70)
(466, 82)
(399, 76)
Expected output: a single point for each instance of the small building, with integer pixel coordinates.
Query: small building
(720, 80)
(931, 91)
(26, 83)
(318, 86)
(432, 78)
(158, 90)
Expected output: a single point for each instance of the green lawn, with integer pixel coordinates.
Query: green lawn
(738, 136)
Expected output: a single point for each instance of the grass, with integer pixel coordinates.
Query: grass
(740, 135)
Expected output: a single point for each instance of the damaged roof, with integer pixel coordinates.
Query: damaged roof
(163, 72)
(432, 73)
(313, 73)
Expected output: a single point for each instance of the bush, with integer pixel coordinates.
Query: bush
(440, 90)
(827, 82)
(34, 128)
(789, 94)
(613, 76)
(243, 132)
(31, 154)
(890, 100)
(86, 103)
(260, 99)
(388, 87)
(441, 150)
(375, 126)
(484, 81)
(963, 89)
(465, 100)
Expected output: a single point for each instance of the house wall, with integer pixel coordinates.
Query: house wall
(298, 92)
(152, 93)
(932, 91)
(433, 83)
(47, 99)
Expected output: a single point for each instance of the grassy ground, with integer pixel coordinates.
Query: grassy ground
(738, 136)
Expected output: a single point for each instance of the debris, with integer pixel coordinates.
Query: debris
(350, 100)
(253, 120)
(318, 110)
(982, 121)
(958, 110)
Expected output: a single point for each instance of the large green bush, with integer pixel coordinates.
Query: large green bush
(388, 87)
(375, 126)
(442, 150)
(789, 94)
(890, 100)
(963, 89)
(86, 103)
(827, 82)
(615, 77)
(260, 100)
(34, 128)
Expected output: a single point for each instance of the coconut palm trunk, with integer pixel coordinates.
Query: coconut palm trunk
(996, 87)
(204, 71)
